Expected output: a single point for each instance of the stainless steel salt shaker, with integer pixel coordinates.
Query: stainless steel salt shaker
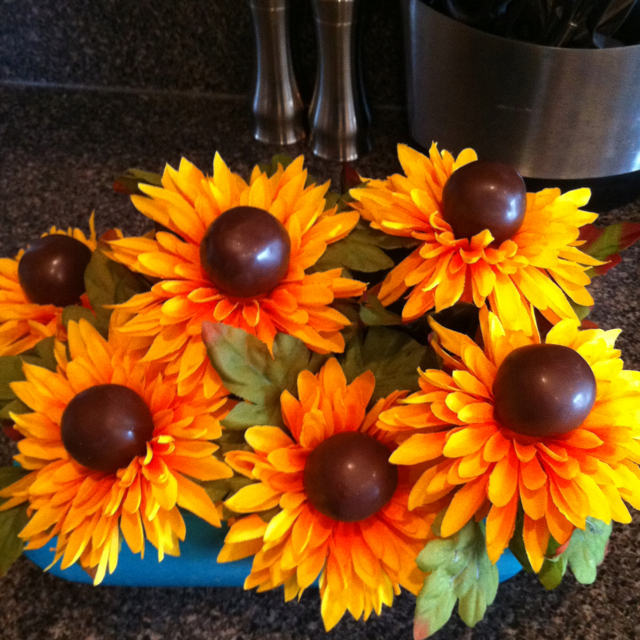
(339, 117)
(277, 107)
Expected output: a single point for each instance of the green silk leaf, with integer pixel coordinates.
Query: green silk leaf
(459, 571)
(606, 243)
(587, 550)
(373, 314)
(12, 522)
(552, 572)
(248, 370)
(41, 355)
(392, 356)
(584, 551)
(129, 181)
(271, 167)
(108, 283)
(362, 250)
(554, 565)
(76, 313)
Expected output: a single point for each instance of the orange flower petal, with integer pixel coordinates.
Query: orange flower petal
(467, 440)
(464, 505)
(419, 448)
(536, 539)
(501, 523)
(504, 480)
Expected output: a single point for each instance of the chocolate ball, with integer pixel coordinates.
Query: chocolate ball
(485, 195)
(51, 270)
(105, 427)
(245, 252)
(348, 477)
(544, 390)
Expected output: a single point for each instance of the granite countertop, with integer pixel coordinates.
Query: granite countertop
(59, 153)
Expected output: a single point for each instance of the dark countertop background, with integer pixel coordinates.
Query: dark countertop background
(59, 153)
(190, 45)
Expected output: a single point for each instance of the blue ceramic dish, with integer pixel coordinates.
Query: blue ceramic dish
(196, 567)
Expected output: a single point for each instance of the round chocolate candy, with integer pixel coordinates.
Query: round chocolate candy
(105, 427)
(245, 252)
(348, 477)
(485, 195)
(544, 390)
(51, 270)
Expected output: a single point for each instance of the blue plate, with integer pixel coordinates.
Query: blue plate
(196, 567)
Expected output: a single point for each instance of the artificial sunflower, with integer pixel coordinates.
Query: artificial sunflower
(551, 428)
(27, 318)
(111, 447)
(481, 238)
(238, 253)
(341, 507)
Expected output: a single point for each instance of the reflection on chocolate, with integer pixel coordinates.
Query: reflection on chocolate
(348, 477)
(105, 427)
(544, 390)
(51, 270)
(245, 252)
(485, 195)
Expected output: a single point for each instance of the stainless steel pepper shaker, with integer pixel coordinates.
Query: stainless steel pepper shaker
(277, 107)
(339, 117)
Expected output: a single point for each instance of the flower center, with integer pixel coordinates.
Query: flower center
(51, 270)
(544, 390)
(485, 195)
(105, 427)
(246, 252)
(348, 477)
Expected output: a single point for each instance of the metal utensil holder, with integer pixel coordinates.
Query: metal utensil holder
(549, 112)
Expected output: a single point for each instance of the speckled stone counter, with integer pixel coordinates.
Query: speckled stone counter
(59, 153)
(189, 45)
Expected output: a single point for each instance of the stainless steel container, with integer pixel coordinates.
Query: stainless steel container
(277, 108)
(339, 116)
(551, 113)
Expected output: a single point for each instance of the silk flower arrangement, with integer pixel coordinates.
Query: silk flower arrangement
(234, 363)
